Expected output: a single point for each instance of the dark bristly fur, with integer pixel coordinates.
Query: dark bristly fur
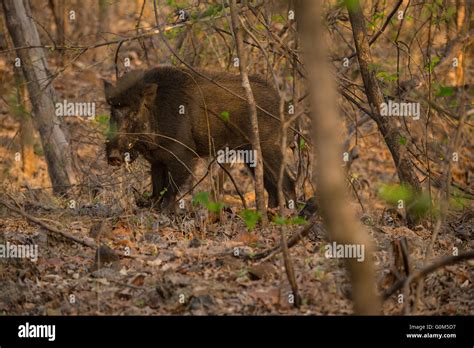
(145, 119)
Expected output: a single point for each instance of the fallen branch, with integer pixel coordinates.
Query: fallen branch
(292, 241)
(85, 242)
(444, 261)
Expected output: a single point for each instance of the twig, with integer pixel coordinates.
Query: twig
(242, 198)
(116, 58)
(85, 242)
(444, 261)
(292, 241)
(378, 33)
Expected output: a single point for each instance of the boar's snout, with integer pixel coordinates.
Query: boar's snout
(114, 158)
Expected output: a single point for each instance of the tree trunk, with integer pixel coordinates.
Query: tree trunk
(239, 42)
(462, 23)
(58, 16)
(339, 218)
(55, 142)
(375, 98)
(103, 19)
(26, 128)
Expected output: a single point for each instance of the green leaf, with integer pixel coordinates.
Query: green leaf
(418, 204)
(352, 5)
(111, 130)
(279, 220)
(102, 119)
(378, 15)
(370, 25)
(458, 200)
(431, 65)
(201, 198)
(373, 67)
(318, 273)
(302, 143)
(386, 76)
(38, 150)
(402, 140)
(393, 193)
(454, 103)
(445, 91)
(278, 19)
(212, 10)
(298, 220)
(450, 12)
(225, 115)
(251, 218)
(215, 207)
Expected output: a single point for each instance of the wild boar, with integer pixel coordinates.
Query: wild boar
(172, 116)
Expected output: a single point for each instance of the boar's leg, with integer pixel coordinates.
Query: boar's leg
(272, 188)
(159, 180)
(271, 185)
(271, 162)
(178, 172)
(218, 180)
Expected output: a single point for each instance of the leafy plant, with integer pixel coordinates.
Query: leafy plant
(202, 198)
(212, 10)
(418, 204)
(444, 91)
(251, 217)
(278, 19)
(402, 140)
(387, 76)
(457, 200)
(393, 193)
(225, 115)
(102, 119)
(297, 220)
(431, 65)
(302, 143)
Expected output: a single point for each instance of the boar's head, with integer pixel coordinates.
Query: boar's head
(129, 103)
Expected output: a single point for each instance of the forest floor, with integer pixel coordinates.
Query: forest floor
(187, 264)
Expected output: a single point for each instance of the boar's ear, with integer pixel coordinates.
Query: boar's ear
(149, 92)
(108, 88)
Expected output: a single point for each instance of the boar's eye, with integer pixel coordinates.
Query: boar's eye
(118, 103)
(122, 106)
